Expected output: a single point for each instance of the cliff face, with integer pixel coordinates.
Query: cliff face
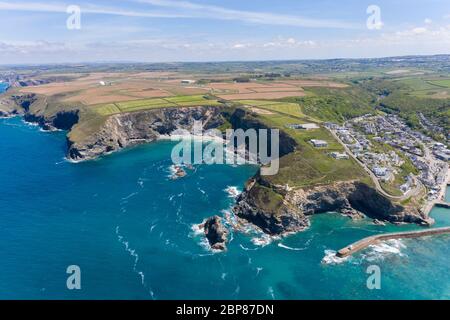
(274, 209)
(242, 119)
(22, 104)
(129, 129)
(350, 198)
(63, 120)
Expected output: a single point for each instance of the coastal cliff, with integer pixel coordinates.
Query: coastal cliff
(279, 212)
(35, 109)
(129, 129)
(275, 209)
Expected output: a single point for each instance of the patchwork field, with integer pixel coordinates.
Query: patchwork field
(110, 87)
(427, 88)
(147, 104)
(268, 90)
(290, 109)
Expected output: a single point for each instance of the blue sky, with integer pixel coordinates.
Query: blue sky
(34, 31)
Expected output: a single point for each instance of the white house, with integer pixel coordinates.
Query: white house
(187, 81)
(380, 171)
(339, 155)
(319, 143)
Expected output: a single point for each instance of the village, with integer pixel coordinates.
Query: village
(394, 154)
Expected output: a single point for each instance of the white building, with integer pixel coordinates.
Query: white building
(339, 155)
(380, 171)
(304, 126)
(319, 143)
(187, 81)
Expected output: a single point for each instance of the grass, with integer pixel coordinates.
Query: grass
(108, 109)
(445, 83)
(425, 88)
(309, 165)
(290, 109)
(156, 103)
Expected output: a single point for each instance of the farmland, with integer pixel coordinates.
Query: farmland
(147, 104)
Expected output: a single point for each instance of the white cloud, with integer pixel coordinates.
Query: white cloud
(185, 10)
(239, 46)
(87, 8)
(428, 21)
(221, 13)
(419, 30)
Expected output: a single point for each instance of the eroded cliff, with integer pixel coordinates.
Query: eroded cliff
(278, 212)
(129, 129)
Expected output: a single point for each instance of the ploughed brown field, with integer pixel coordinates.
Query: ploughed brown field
(109, 87)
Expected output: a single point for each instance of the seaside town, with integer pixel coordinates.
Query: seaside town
(394, 154)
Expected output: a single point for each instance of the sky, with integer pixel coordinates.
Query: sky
(33, 32)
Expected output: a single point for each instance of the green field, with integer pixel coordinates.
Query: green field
(425, 88)
(309, 165)
(157, 103)
(445, 83)
(286, 108)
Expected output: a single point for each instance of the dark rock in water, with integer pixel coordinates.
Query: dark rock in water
(216, 233)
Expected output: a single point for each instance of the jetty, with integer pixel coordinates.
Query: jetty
(442, 204)
(364, 243)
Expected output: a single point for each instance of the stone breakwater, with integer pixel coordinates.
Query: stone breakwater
(364, 243)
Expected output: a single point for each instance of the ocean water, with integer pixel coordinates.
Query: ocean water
(128, 226)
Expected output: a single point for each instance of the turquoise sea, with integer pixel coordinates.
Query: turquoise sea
(129, 228)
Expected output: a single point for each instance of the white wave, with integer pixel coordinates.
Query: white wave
(384, 249)
(331, 258)
(258, 270)
(264, 240)
(130, 196)
(135, 256)
(197, 229)
(248, 249)
(232, 191)
(290, 248)
(223, 276)
(271, 293)
(141, 182)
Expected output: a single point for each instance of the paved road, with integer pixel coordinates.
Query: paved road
(413, 192)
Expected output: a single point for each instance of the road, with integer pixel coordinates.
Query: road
(413, 192)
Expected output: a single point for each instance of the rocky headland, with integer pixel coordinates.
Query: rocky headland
(276, 210)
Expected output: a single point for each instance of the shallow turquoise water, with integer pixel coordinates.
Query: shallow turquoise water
(128, 227)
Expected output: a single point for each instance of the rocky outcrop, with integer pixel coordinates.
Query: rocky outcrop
(268, 210)
(350, 198)
(23, 104)
(216, 233)
(63, 120)
(242, 119)
(130, 129)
